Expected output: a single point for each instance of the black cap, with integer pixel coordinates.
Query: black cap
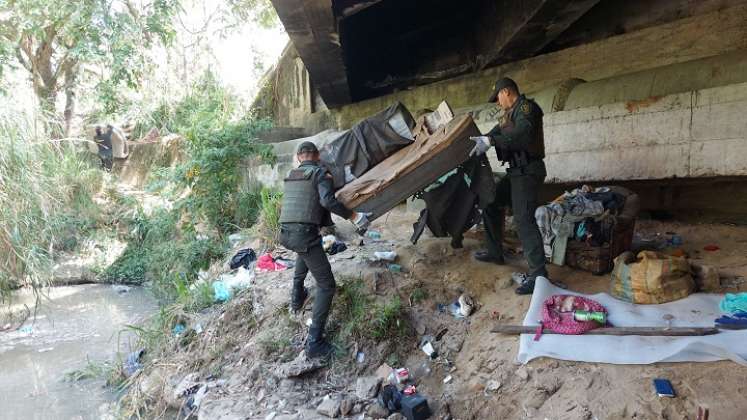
(307, 147)
(503, 83)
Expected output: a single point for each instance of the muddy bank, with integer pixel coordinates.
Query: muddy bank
(74, 324)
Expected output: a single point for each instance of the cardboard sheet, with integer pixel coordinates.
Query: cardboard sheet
(406, 160)
(697, 310)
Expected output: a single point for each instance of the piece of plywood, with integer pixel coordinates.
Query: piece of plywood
(410, 169)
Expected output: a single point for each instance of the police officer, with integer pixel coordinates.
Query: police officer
(519, 140)
(308, 199)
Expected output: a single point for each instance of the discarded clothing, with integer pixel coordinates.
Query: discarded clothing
(337, 247)
(243, 258)
(734, 303)
(132, 364)
(452, 202)
(267, 263)
(738, 321)
(221, 293)
(558, 219)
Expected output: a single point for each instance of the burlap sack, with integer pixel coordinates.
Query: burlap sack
(651, 278)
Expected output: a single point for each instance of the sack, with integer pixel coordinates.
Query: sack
(557, 314)
(651, 278)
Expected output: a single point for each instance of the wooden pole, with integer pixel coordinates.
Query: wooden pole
(644, 331)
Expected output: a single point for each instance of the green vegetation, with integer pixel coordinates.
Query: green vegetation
(46, 191)
(356, 316)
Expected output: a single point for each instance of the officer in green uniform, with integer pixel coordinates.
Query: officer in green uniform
(518, 140)
(308, 199)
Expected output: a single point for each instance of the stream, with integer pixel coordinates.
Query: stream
(73, 324)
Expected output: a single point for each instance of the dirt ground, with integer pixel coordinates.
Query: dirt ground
(245, 384)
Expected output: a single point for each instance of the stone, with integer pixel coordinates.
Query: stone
(329, 407)
(357, 408)
(367, 387)
(346, 407)
(522, 373)
(492, 386)
(383, 372)
(377, 411)
(396, 416)
(298, 366)
(287, 384)
(536, 398)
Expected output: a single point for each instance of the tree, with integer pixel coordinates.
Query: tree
(56, 40)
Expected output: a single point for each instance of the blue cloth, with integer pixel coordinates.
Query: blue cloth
(734, 303)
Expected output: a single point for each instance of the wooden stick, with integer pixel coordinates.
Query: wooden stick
(645, 331)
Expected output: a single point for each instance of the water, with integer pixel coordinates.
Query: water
(76, 324)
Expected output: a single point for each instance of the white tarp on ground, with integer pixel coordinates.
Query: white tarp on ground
(697, 310)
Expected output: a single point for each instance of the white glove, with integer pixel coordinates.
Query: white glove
(482, 144)
(361, 220)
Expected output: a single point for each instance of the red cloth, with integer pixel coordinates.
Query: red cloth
(557, 314)
(267, 263)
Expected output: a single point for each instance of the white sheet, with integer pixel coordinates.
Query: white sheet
(697, 310)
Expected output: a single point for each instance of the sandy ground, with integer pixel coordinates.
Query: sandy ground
(542, 389)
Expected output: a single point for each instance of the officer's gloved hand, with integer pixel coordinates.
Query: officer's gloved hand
(482, 144)
(360, 220)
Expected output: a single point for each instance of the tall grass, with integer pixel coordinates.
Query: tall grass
(46, 190)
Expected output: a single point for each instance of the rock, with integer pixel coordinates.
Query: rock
(522, 373)
(287, 385)
(329, 407)
(396, 416)
(536, 398)
(71, 272)
(152, 385)
(298, 366)
(357, 408)
(454, 343)
(383, 372)
(367, 387)
(492, 386)
(346, 407)
(377, 411)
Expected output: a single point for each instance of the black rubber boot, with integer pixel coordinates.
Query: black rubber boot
(299, 299)
(526, 288)
(317, 346)
(484, 256)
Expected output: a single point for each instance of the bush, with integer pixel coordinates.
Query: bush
(46, 191)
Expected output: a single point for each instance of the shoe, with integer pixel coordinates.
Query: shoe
(318, 349)
(526, 288)
(297, 302)
(485, 257)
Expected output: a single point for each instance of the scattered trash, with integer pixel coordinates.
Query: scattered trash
(44, 350)
(664, 388)
(120, 288)
(492, 386)
(733, 303)
(395, 268)
(448, 379)
(462, 308)
(410, 390)
(429, 350)
(675, 240)
(198, 328)
(178, 329)
(360, 357)
(415, 407)
(26, 330)
(244, 258)
(373, 234)
(235, 238)
(308, 322)
(220, 291)
(194, 401)
(239, 281)
(399, 376)
(390, 398)
(390, 256)
(267, 263)
(132, 363)
(711, 248)
(337, 247)
(328, 241)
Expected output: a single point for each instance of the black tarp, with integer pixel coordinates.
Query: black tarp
(366, 144)
(452, 207)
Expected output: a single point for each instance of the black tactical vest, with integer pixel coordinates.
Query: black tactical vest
(530, 109)
(301, 198)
